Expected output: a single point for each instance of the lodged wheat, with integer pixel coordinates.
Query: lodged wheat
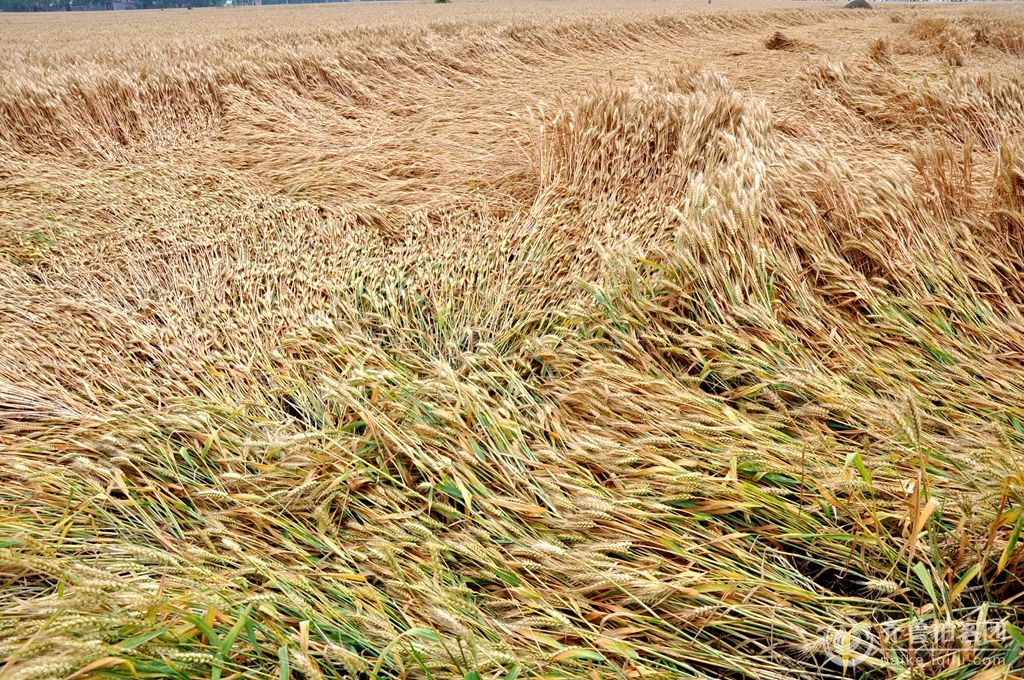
(541, 340)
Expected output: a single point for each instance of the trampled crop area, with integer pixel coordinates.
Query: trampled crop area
(533, 339)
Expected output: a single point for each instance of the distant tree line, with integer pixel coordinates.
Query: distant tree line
(69, 5)
(75, 5)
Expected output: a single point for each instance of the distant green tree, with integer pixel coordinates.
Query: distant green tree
(66, 5)
(25, 5)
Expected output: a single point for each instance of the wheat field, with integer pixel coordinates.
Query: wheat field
(521, 340)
